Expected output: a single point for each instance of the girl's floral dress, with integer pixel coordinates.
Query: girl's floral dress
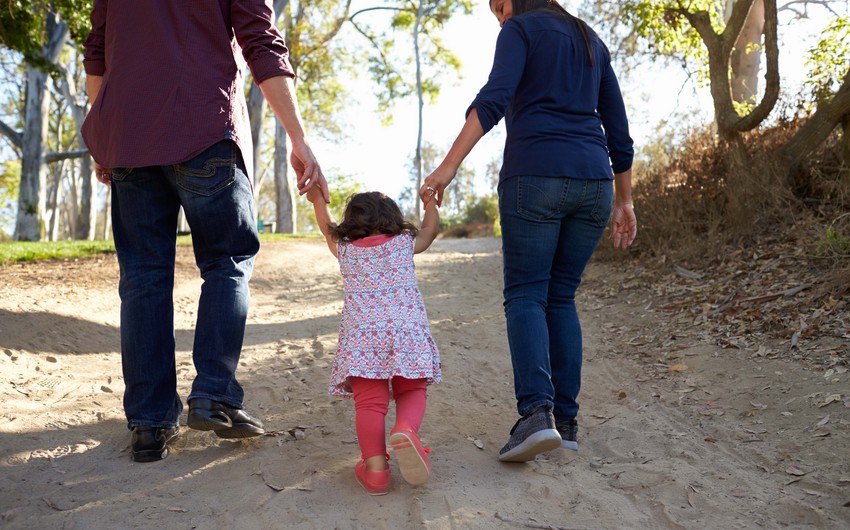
(384, 329)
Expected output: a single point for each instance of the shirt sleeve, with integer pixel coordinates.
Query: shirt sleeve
(262, 44)
(612, 110)
(508, 65)
(94, 58)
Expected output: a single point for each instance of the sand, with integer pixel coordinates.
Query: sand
(676, 431)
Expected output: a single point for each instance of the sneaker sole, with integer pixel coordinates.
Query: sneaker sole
(412, 466)
(566, 444)
(372, 493)
(539, 442)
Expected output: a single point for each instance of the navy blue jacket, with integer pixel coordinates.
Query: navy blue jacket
(564, 117)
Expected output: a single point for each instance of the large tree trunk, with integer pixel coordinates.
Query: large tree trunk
(29, 224)
(284, 192)
(746, 56)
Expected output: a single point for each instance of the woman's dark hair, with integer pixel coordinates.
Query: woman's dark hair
(524, 6)
(370, 213)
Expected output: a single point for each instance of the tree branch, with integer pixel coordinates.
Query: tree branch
(387, 8)
(49, 158)
(14, 136)
(819, 126)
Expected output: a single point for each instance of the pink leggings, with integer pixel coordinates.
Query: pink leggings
(371, 404)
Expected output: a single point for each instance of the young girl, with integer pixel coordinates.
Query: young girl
(385, 343)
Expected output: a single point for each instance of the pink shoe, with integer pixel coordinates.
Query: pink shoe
(374, 482)
(412, 457)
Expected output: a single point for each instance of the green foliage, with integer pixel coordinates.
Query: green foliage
(323, 64)
(664, 24)
(341, 187)
(23, 25)
(833, 243)
(827, 60)
(393, 67)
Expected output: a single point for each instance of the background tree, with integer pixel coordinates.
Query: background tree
(422, 20)
(697, 30)
(319, 61)
(38, 30)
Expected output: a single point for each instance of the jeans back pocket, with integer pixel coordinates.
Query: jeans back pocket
(209, 172)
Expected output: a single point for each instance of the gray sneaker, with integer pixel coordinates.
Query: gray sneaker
(568, 429)
(530, 436)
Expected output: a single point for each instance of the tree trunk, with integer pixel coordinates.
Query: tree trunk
(29, 224)
(417, 161)
(256, 115)
(818, 127)
(746, 56)
(284, 192)
(86, 216)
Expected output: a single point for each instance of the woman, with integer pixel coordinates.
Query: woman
(567, 142)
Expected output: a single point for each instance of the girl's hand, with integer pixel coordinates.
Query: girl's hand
(315, 194)
(623, 225)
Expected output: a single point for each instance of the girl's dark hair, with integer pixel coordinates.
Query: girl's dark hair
(587, 33)
(370, 213)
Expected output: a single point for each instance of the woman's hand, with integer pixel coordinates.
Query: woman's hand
(623, 225)
(435, 185)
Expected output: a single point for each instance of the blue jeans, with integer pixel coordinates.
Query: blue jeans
(550, 228)
(215, 193)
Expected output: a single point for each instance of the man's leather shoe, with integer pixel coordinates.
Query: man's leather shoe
(226, 422)
(149, 444)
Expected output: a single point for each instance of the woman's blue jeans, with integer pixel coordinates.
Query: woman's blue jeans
(215, 193)
(550, 228)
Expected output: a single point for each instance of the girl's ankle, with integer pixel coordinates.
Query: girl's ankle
(376, 463)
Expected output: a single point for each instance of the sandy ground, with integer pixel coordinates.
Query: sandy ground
(675, 431)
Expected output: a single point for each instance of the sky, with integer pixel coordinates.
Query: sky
(379, 157)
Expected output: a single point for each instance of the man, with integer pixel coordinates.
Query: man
(168, 128)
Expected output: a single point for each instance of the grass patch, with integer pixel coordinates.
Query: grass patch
(22, 251)
(17, 251)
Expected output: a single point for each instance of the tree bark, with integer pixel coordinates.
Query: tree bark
(284, 192)
(818, 127)
(746, 56)
(29, 224)
(417, 160)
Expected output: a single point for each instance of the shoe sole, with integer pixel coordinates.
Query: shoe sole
(539, 442)
(412, 466)
(206, 420)
(239, 430)
(372, 493)
(566, 444)
(154, 455)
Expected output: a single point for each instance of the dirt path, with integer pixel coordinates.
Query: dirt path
(676, 432)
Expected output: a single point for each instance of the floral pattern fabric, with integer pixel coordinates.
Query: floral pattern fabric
(383, 332)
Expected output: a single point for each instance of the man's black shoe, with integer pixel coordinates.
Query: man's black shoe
(150, 444)
(226, 422)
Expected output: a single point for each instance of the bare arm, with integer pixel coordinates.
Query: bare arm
(430, 227)
(323, 217)
(435, 183)
(279, 91)
(93, 84)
